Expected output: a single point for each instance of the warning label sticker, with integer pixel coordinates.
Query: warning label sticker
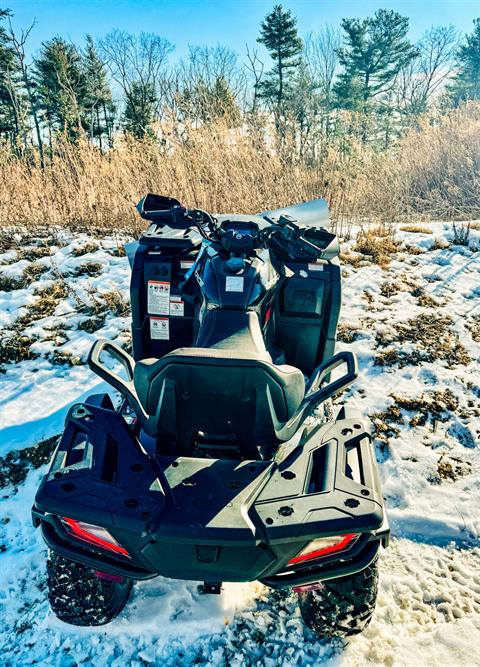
(234, 284)
(158, 298)
(159, 328)
(177, 306)
(184, 264)
(315, 267)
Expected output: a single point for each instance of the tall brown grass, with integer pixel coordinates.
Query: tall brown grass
(433, 172)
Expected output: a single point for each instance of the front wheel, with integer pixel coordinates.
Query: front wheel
(342, 607)
(78, 596)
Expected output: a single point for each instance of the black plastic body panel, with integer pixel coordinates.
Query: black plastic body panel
(208, 519)
(307, 314)
(162, 260)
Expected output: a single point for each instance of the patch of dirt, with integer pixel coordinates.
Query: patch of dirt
(433, 340)
(15, 466)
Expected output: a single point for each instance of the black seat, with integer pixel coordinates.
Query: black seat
(220, 387)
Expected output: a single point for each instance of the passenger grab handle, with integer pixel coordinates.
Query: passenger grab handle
(314, 390)
(125, 386)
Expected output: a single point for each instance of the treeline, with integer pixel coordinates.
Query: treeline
(365, 80)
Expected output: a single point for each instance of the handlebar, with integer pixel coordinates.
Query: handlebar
(284, 235)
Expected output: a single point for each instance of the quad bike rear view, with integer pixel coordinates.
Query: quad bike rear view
(224, 459)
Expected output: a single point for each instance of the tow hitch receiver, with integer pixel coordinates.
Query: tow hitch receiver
(210, 588)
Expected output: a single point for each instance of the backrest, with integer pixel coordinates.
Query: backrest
(219, 393)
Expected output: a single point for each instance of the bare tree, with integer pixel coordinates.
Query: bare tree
(256, 68)
(18, 46)
(422, 80)
(209, 83)
(136, 61)
(320, 55)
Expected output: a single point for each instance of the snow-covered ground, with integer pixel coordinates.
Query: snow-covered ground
(415, 327)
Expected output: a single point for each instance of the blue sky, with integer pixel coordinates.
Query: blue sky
(229, 22)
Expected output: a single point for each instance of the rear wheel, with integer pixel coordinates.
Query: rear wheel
(78, 596)
(342, 607)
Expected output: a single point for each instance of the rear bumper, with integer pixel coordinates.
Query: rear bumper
(212, 520)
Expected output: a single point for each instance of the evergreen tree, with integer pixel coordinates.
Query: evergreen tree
(375, 50)
(466, 84)
(279, 35)
(61, 87)
(140, 109)
(97, 100)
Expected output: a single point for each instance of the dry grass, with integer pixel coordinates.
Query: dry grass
(433, 340)
(416, 229)
(378, 243)
(99, 307)
(15, 347)
(428, 409)
(472, 324)
(432, 173)
(91, 269)
(16, 465)
(450, 468)
(346, 333)
(85, 249)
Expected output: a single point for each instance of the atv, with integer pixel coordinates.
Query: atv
(221, 456)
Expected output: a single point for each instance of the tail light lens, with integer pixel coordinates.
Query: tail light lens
(95, 535)
(324, 546)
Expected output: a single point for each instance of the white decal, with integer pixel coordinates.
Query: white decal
(159, 328)
(316, 267)
(158, 301)
(186, 265)
(177, 306)
(234, 284)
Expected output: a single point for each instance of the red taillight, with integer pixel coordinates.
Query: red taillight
(324, 546)
(96, 535)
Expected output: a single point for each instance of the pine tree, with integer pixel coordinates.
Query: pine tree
(140, 109)
(375, 50)
(97, 100)
(466, 84)
(279, 35)
(61, 87)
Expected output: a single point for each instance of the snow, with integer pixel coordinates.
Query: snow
(428, 610)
